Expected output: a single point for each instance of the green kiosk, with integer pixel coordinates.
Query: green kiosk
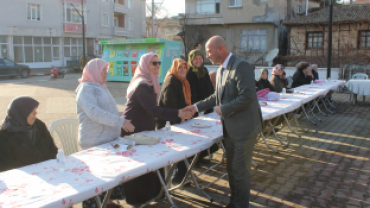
(124, 55)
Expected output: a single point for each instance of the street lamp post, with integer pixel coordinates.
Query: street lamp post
(83, 30)
(328, 70)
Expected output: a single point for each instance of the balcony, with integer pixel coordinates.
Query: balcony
(120, 31)
(73, 28)
(120, 8)
(201, 19)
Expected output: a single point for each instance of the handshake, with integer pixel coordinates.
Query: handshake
(187, 112)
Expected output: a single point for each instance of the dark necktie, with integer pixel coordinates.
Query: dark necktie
(219, 88)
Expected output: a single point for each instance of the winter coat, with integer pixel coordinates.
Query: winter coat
(17, 149)
(97, 113)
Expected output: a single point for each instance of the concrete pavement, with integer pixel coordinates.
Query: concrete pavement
(326, 167)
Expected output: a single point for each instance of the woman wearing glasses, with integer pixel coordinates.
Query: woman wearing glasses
(142, 109)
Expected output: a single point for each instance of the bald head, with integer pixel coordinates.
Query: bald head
(216, 50)
(212, 75)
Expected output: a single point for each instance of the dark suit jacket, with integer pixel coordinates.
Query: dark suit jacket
(299, 78)
(240, 108)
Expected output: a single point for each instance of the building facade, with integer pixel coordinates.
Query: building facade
(309, 36)
(42, 33)
(251, 28)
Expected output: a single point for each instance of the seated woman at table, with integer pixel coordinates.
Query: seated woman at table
(303, 75)
(97, 114)
(275, 78)
(284, 81)
(315, 72)
(199, 78)
(142, 109)
(263, 82)
(24, 139)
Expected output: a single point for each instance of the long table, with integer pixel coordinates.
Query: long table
(91, 172)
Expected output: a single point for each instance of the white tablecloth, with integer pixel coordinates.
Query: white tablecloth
(91, 172)
(359, 87)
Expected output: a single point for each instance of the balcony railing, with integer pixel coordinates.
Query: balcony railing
(121, 31)
(200, 15)
(120, 8)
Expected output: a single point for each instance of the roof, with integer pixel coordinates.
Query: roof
(341, 15)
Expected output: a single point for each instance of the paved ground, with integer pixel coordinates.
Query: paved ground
(327, 167)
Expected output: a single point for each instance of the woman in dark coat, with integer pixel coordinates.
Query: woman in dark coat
(263, 82)
(175, 92)
(24, 139)
(142, 110)
(198, 77)
(303, 75)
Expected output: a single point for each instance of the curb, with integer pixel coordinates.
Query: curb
(45, 74)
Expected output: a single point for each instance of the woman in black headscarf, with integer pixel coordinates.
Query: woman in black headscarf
(263, 82)
(24, 139)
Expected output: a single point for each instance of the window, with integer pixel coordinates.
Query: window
(131, 24)
(35, 49)
(104, 19)
(71, 15)
(254, 40)
(129, 4)
(167, 32)
(364, 39)
(73, 47)
(33, 12)
(235, 3)
(208, 6)
(315, 40)
(299, 10)
(3, 46)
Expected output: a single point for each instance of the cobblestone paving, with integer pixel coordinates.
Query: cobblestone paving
(327, 167)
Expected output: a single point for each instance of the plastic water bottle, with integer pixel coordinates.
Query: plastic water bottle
(167, 128)
(201, 114)
(61, 160)
(284, 91)
(311, 82)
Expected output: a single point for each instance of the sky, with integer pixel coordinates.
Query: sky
(174, 7)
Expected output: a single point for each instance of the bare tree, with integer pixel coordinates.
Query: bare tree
(160, 15)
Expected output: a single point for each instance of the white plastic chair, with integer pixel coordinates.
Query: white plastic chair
(67, 132)
(358, 76)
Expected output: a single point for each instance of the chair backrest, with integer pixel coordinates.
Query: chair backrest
(67, 133)
(360, 76)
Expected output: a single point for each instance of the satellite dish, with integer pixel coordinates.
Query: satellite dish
(260, 57)
(271, 55)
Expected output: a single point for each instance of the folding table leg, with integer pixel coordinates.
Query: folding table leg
(276, 136)
(328, 100)
(105, 200)
(164, 187)
(296, 122)
(308, 118)
(313, 106)
(318, 107)
(264, 139)
(323, 102)
(291, 129)
(219, 163)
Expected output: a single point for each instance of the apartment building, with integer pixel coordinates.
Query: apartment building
(250, 27)
(42, 33)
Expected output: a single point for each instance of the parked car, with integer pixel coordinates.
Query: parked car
(9, 68)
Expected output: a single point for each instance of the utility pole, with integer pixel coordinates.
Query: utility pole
(152, 18)
(306, 7)
(83, 30)
(328, 70)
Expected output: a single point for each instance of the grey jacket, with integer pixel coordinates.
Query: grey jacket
(240, 109)
(97, 113)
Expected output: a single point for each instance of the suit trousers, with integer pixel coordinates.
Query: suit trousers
(239, 157)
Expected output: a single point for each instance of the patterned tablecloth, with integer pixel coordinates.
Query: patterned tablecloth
(91, 172)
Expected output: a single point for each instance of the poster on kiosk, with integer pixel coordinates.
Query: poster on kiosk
(124, 55)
